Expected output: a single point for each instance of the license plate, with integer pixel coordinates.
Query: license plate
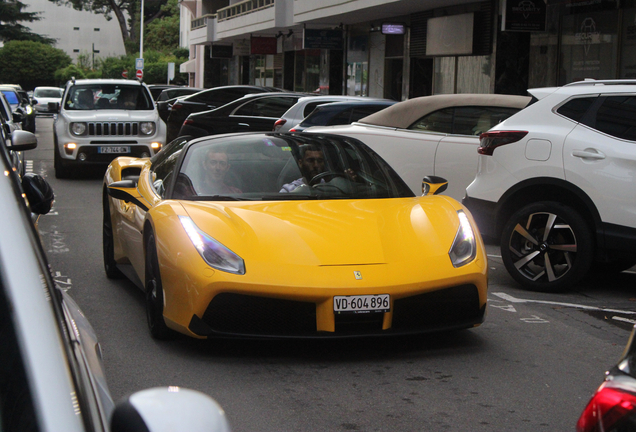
(362, 303)
(113, 150)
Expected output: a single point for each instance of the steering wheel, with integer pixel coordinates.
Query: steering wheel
(316, 179)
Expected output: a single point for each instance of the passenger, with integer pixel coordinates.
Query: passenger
(216, 166)
(85, 100)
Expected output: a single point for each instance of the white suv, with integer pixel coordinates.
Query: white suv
(556, 181)
(101, 119)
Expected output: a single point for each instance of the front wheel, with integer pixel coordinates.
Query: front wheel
(154, 294)
(547, 246)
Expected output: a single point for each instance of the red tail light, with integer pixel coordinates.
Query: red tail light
(489, 141)
(188, 122)
(278, 124)
(293, 130)
(176, 106)
(606, 409)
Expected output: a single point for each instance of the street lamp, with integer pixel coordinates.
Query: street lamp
(141, 32)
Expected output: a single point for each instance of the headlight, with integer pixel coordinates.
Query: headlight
(78, 128)
(147, 128)
(464, 247)
(214, 253)
(29, 109)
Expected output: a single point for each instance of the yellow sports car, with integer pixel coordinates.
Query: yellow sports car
(289, 235)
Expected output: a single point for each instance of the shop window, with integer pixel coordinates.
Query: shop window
(628, 50)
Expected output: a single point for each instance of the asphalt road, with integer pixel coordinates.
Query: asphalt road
(532, 366)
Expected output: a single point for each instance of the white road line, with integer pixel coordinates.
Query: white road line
(512, 299)
(627, 320)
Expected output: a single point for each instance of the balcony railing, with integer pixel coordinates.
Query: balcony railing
(201, 21)
(242, 8)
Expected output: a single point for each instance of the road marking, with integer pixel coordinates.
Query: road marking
(62, 282)
(535, 320)
(507, 308)
(512, 299)
(28, 166)
(627, 320)
(493, 256)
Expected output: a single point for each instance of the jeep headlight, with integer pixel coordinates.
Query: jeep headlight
(464, 247)
(147, 128)
(78, 129)
(213, 253)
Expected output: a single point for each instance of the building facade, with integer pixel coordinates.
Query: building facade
(400, 49)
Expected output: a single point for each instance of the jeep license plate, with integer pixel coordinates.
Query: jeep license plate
(113, 149)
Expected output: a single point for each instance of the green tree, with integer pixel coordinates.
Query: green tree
(162, 34)
(31, 64)
(10, 27)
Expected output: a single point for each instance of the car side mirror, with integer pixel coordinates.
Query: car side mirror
(22, 140)
(54, 107)
(18, 117)
(38, 192)
(165, 409)
(125, 190)
(433, 185)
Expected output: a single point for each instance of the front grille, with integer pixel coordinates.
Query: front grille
(443, 308)
(252, 315)
(113, 129)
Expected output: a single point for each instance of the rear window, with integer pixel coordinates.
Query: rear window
(12, 97)
(575, 109)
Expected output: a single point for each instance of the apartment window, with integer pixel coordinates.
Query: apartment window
(96, 29)
(76, 28)
(76, 50)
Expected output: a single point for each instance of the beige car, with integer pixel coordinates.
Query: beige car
(433, 135)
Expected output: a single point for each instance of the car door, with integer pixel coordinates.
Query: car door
(599, 156)
(260, 114)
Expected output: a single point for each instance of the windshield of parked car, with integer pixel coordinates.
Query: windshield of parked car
(47, 93)
(263, 167)
(12, 96)
(108, 97)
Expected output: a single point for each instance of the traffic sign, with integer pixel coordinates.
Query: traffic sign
(139, 63)
(139, 74)
(124, 74)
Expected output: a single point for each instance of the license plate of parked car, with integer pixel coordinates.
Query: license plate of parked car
(113, 150)
(362, 303)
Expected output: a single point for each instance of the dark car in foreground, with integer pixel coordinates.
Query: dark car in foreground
(251, 113)
(169, 96)
(341, 113)
(613, 406)
(207, 100)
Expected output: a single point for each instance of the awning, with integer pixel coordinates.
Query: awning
(188, 67)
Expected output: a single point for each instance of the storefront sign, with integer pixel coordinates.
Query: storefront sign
(242, 47)
(221, 51)
(392, 29)
(322, 39)
(263, 45)
(524, 15)
(450, 35)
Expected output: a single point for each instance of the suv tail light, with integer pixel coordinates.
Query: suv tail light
(279, 123)
(607, 410)
(489, 141)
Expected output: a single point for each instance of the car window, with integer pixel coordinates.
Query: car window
(47, 93)
(438, 121)
(617, 117)
(311, 106)
(477, 120)
(576, 108)
(267, 106)
(363, 111)
(164, 162)
(343, 118)
(108, 97)
(221, 97)
(11, 96)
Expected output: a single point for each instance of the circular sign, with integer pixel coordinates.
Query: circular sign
(124, 74)
(139, 74)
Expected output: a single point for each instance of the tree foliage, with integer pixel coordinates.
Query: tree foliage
(163, 33)
(12, 15)
(31, 64)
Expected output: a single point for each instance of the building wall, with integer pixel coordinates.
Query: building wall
(77, 32)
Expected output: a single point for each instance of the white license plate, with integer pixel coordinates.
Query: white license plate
(362, 303)
(113, 150)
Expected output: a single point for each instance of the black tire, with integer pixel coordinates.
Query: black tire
(110, 265)
(61, 171)
(547, 246)
(154, 294)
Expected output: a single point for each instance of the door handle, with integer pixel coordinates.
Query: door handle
(588, 154)
(244, 124)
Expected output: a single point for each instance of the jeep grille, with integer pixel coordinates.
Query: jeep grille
(113, 129)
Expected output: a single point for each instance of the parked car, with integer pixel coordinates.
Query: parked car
(156, 89)
(169, 96)
(307, 104)
(43, 95)
(207, 100)
(433, 134)
(612, 408)
(251, 113)
(19, 107)
(225, 247)
(51, 372)
(555, 184)
(28, 111)
(100, 119)
(341, 113)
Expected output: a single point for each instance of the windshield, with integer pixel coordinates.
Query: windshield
(47, 93)
(284, 167)
(108, 97)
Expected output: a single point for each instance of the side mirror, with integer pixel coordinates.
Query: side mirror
(22, 140)
(38, 192)
(167, 409)
(123, 190)
(433, 185)
(54, 107)
(18, 117)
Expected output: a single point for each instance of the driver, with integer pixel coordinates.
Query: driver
(311, 164)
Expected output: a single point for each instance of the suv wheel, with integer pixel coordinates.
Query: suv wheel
(546, 246)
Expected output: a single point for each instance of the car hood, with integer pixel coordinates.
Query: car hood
(335, 232)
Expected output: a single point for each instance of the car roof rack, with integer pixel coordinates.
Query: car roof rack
(592, 81)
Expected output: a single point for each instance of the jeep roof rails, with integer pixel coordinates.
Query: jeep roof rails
(592, 81)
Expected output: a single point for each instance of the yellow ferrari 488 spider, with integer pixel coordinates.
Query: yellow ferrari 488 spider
(289, 235)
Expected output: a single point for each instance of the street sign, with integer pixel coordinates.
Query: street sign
(139, 64)
(124, 74)
(139, 74)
